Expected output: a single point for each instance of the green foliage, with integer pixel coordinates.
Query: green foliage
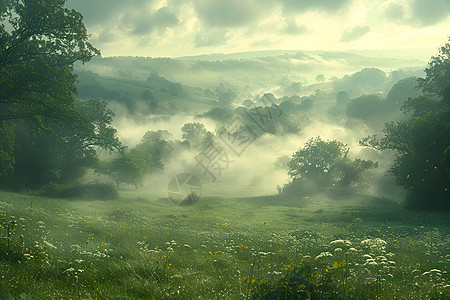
(221, 115)
(421, 142)
(142, 247)
(326, 163)
(437, 78)
(316, 158)
(151, 100)
(153, 150)
(196, 134)
(402, 91)
(63, 154)
(225, 94)
(365, 107)
(40, 41)
(365, 81)
(7, 158)
(375, 110)
(90, 191)
(126, 168)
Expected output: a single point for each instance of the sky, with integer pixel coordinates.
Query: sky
(174, 28)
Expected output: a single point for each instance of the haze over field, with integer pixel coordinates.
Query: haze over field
(224, 149)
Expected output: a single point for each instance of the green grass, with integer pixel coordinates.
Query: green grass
(222, 247)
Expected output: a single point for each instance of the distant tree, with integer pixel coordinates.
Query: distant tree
(293, 88)
(401, 91)
(365, 107)
(150, 99)
(320, 78)
(421, 143)
(342, 98)
(153, 150)
(225, 94)
(196, 134)
(124, 169)
(327, 164)
(153, 135)
(221, 115)
(366, 81)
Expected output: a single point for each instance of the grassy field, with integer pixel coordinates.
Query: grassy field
(353, 247)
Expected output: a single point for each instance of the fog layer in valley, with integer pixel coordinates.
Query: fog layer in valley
(311, 93)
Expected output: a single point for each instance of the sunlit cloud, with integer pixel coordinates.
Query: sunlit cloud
(183, 27)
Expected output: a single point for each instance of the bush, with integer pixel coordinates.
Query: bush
(94, 191)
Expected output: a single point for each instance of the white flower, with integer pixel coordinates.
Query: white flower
(324, 254)
(340, 243)
(69, 270)
(338, 251)
(50, 245)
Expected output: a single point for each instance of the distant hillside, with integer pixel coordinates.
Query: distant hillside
(164, 86)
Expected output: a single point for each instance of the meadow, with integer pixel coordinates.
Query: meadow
(350, 246)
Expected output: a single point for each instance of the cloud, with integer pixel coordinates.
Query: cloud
(295, 6)
(293, 29)
(211, 37)
(158, 21)
(230, 13)
(141, 17)
(354, 34)
(395, 12)
(429, 12)
(100, 12)
(189, 27)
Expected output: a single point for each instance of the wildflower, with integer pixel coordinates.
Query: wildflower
(340, 243)
(324, 254)
(51, 246)
(69, 270)
(338, 251)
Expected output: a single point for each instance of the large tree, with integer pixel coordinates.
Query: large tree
(327, 164)
(39, 43)
(61, 154)
(422, 142)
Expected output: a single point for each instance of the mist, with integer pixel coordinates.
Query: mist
(224, 149)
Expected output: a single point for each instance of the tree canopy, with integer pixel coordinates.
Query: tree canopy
(47, 135)
(422, 141)
(39, 42)
(327, 163)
